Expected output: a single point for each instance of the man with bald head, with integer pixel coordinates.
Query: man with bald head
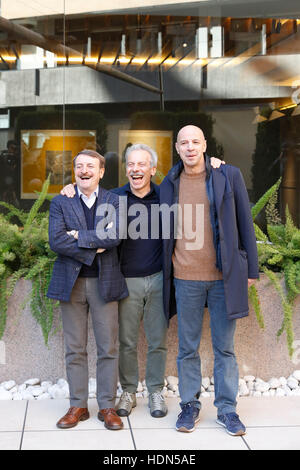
(211, 256)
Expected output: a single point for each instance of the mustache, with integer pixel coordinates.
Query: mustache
(134, 173)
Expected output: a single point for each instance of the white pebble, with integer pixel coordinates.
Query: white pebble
(172, 383)
(262, 386)
(17, 396)
(57, 392)
(280, 392)
(37, 391)
(27, 395)
(243, 390)
(288, 391)
(206, 382)
(9, 384)
(282, 381)
(92, 386)
(34, 381)
(296, 375)
(46, 385)
(292, 383)
(5, 394)
(249, 378)
(44, 396)
(274, 383)
(62, 383)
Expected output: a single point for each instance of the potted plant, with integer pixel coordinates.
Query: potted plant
(279, 258)
(25, 252)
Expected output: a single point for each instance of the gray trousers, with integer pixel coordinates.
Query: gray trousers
(145, 302)
(86, 298)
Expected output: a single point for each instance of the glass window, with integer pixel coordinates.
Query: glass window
(93, 79)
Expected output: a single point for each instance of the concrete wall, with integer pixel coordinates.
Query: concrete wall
(226, 79)
(24, 355)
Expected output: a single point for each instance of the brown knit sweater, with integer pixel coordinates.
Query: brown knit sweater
(195, 261)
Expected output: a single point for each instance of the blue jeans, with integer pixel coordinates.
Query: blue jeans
(191, 297)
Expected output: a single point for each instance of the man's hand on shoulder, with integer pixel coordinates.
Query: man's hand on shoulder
(73, 233)
(216, 162)
(68, 190)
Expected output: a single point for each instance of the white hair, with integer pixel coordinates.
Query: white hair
(145, 147)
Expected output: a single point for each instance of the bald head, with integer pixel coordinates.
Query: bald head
(190, 129)
(191, 145)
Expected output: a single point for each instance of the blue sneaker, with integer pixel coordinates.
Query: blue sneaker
(232, 423)
(188, 418)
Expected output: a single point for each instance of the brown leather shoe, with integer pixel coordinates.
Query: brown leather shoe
(72, 417)
(111, 420)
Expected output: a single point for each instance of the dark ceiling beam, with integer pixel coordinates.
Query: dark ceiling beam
(39, 40)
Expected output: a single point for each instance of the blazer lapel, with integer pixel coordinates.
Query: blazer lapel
(78, 210)
(100, 200)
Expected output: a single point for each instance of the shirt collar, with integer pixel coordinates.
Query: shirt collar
(86, 198)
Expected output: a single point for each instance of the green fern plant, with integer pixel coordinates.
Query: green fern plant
(278, 250)
(25, 252)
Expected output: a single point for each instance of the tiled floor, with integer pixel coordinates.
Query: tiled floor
(272, 423)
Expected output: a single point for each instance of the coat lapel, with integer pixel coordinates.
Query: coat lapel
(218, 187)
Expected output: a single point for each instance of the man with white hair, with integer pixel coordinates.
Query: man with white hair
(141, 264)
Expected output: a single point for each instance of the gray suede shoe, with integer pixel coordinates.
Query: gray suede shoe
(157, 405)
(126, 403)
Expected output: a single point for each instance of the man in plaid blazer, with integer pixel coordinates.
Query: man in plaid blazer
(87, 278)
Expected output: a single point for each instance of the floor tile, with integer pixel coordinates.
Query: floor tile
(273, 438)
(77, 440)
(270, 411)
(10, 440)
(200, 439)
(42, 415)
(12, 414)
(140, 416)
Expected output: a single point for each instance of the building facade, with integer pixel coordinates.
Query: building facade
(87, 74)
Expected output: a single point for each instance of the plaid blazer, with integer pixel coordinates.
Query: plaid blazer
(67, 214)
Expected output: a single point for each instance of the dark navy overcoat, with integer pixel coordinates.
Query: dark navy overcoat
(234, 237)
